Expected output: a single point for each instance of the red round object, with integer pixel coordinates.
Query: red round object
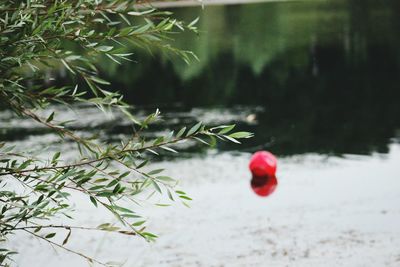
(264, 185)
(263, 163)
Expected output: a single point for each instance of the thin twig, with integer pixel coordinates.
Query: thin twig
(68, 227)
(67, 249)
(88, 162)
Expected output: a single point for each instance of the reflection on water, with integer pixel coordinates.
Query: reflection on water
(326, 72)
(264, 185)
(319, 76)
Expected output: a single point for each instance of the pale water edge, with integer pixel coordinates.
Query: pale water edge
(327, 211)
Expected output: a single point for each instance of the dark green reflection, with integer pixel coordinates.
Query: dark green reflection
(327, 73)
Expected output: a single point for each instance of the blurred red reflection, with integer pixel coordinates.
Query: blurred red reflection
(264, 185)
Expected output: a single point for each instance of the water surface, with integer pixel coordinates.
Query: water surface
(304, 76)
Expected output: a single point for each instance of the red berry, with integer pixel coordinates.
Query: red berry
(263, 163)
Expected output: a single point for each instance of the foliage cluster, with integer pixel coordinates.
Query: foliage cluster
(36, 36)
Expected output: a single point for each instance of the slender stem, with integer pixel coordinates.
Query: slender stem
(68, 227)
(88, 162)
(66, 249)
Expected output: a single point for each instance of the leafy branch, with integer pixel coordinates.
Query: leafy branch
(40, 36)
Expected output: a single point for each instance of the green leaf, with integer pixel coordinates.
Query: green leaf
(146, 234)
(152, 151)
(156, 186)
(98, 80)
(112, 183)
(67, 238)
(55, 157)
(142, 164)
(185, 197)
(201, 140)
(239, 135)
(122, 209)
(67, 66)
(165, 178)
(157, 171)
(104, 48)
(138, 223)
(163, 205)
(51, 117)
(158, 140)
(232, 139)
(50, 235)
(226, 129)
(194, 129)
(181, 132)
(105, 194)
(169, 149)
(124, 174)
(191, 24)
(93, 200)
(136, 13)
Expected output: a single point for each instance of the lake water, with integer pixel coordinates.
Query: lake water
(318, 82)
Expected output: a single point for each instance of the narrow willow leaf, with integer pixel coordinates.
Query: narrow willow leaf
(55, 157)
(129, 115)
(104, 48)
(130, 216)
(50, 235)
(181, 132)
(67, 66)
(98, 80)
(122, 209)
(163, 205)
(165, 178)
(112, 183)
(136, 13)
(93, 200)
(124, 175)
(241, 135)
(158, 140)
(67, 237)
(201, 141)
(170, 195)
(51, 117)
(191, 24)
(227, 129)
(185, 197)
(105, 194)
(169, 149)
(194, 129)
(152, 151)
(149, 235)
(186, 204)
(138, 223)
(232, 139)
(142, 164)
(156, 186)
(157, 171)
